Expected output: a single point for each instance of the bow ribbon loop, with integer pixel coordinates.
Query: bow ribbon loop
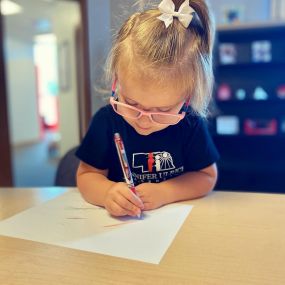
(184, 14)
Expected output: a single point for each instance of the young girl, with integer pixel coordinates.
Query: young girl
(161, 61)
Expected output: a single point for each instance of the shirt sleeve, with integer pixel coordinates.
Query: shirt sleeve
(200, 151)
(95, 147)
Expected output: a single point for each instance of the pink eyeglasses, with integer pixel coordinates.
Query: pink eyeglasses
(131, 112)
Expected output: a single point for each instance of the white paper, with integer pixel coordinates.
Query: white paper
(69, 221)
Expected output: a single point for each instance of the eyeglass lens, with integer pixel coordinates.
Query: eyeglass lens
(129, 112)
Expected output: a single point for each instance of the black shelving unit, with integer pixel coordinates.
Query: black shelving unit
(253, 152)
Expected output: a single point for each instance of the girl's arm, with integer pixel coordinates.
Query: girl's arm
(93, 183)
(187, 186)
(191, 185)
(97, 189)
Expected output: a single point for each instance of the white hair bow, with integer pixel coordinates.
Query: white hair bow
(184, 14)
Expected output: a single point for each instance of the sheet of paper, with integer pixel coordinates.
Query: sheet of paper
(69, 221)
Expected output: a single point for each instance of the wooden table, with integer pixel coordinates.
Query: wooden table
(228, 238)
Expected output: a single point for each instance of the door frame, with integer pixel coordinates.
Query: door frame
(84, 98)
(84, 90)
(5, 147)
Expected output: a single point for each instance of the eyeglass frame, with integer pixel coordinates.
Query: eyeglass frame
(181, 114)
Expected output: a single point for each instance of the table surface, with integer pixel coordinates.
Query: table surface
(228, 238)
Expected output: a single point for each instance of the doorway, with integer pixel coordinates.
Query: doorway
(42, 93)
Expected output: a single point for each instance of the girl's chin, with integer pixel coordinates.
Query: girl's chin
(148, 131)
(143, 132)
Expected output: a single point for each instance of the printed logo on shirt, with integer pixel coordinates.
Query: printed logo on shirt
(153, 161)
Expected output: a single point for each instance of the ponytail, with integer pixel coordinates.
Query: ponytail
(204, 24)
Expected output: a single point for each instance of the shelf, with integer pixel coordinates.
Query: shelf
(250, 101)
(251, 26)
(246, 137)
(239, 33)
(250, 161)
(252, 64)
(247, 166)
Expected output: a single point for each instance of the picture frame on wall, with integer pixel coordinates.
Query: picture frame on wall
(227, 53)
(261, 51)
(233, 14)
(63, 66)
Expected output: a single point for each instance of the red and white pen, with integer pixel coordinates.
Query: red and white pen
(124, 163)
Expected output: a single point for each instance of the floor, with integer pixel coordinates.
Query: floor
(35, 164)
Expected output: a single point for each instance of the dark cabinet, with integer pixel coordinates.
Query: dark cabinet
(248, 123)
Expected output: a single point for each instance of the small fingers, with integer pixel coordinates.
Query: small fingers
(122, 201)
(120, 206)
(116, 210)
(135, 199)
(132, 198)
(126, 204)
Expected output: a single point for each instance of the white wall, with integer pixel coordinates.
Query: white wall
(120, 11)
(99, 46)
(21, 83)
(105, 18)
(254, 10)
(65, 20)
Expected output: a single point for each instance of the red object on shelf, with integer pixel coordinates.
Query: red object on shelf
(253, 127)
(224, 92)
(281, 91)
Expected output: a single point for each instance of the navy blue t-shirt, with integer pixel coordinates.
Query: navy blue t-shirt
(157, 157)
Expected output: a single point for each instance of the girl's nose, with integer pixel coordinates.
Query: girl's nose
(145, 121)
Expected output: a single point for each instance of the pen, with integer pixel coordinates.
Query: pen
(124, 163)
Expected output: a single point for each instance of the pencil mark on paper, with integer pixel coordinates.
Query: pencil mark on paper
(118, 224)
(76, 218)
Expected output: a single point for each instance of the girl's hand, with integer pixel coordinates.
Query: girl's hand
(121, 201)
(152, 196)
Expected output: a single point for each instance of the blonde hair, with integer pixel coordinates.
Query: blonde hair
(145, 45)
